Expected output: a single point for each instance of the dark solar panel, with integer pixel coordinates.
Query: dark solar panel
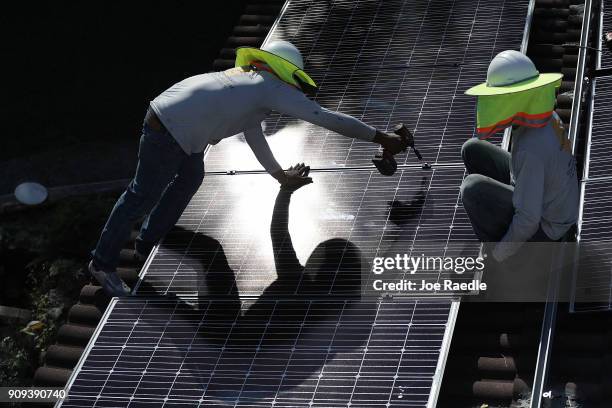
(596, 219)
(600, 146)
(226, 234)
(357, 51)
(264, 353)
(593, 280)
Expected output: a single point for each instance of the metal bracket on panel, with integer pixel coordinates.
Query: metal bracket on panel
(602, 72)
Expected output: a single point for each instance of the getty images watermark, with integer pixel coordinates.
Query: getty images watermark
(423, 274)
(579, 272)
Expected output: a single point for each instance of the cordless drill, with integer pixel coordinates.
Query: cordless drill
(385, 162)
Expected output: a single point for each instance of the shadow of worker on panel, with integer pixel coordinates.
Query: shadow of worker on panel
(280, 342)
(332, 269)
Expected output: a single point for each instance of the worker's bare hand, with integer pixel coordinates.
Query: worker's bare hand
(394, 144)
(296, 177)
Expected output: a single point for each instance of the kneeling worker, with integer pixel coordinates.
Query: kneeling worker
(202, 110)
(532, 193)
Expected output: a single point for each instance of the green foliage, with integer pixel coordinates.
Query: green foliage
(42, 258)
(15, 361)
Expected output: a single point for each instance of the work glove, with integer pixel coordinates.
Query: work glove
(296, 177)
(392, 143)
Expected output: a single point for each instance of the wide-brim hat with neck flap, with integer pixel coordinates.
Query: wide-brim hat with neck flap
(515, 94)
(283, 58)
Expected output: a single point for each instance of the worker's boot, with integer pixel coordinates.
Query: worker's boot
(110, 281)
(140, 258)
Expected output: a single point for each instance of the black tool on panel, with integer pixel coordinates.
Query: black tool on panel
(385, 162)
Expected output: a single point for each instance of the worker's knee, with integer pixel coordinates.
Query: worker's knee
(137, 201)
(190, 178)
(471, 188)
(470, 148)
(195, 183)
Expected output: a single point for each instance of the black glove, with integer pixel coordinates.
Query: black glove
(392, 143)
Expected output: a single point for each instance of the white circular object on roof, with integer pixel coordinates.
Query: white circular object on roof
(31, 193)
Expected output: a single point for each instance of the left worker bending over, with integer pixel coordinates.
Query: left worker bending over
(531, 193)
(202, 110)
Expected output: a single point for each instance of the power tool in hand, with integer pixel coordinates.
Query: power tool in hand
(385, 162)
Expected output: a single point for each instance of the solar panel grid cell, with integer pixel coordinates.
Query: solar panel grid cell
(600, 144)
(596, 222)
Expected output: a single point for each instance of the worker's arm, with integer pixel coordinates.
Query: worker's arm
(290, 101)
(257, 142)
(527, 199)
(285, 258)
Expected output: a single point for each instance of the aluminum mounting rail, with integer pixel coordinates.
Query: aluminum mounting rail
(539, 393)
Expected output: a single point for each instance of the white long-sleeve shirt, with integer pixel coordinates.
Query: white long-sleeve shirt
(204, 109)
(546, 190)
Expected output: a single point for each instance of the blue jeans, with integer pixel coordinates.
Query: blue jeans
(166, 179)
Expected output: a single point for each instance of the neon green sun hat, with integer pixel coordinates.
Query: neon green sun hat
(510, 72)
(282, 57)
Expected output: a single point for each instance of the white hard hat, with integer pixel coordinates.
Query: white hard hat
(286, 50)
(510, 72)
(282, 57)
(31, 193)
(510, 67)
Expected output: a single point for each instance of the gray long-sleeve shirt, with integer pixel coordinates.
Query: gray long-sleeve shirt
(546, 190)
(206, 108)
